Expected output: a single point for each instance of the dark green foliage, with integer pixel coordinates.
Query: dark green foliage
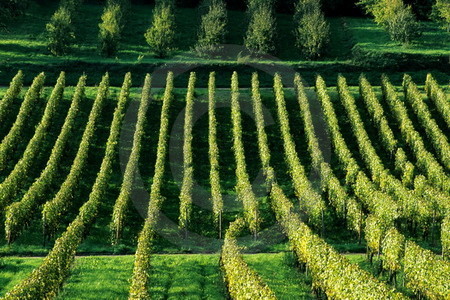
(110, 28)
(60, 32)
(213, 28)
(11, 8)
(170, 3)
(421, 8)
(160, 36)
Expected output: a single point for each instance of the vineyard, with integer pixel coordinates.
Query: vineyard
(184, 192)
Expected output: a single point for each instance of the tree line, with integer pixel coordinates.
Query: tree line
(311, 28)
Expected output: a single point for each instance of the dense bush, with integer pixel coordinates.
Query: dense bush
(213, 28)
(60, 32)
(311, 29)
(160, 36)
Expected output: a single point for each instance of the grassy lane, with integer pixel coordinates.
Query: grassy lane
(14, 269)
(172, 277)
(279, 272)
(99, 276)
(187, 277)
(195, 276)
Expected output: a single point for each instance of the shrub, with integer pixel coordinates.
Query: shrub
(160, 36)
(213, 28)
(110, 29)
(60, 32)
(312, 30)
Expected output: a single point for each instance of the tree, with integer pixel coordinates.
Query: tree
(441, 13)
(110, 29)
(260, 34)
(253, 5)
(160, 36)
(312, 30)
(165, 2)
(213, 27)
(397, 18)
(60, 32)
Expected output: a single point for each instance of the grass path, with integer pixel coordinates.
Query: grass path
(14, 269)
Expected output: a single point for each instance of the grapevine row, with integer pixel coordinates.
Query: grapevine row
(139, 288)
(437, 137)
(12, 184)
(263, 145)
(386, 181)
(243, 186)
(422, 267)
(132, 166)
(214, 175)
(376, 111)
(332, 273)
(378, 203)
(13, 92)
(45, 281)
(310, 200)
(301, 236)
(379, 239)
(445, 236)
(20, 213)
(242, 281)
(345, 205)
(422, 186)
(14, 135)
(390, 143)
(425, 160)
(54, 209)
(425, 273)
(437, 95)
(188, 167)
